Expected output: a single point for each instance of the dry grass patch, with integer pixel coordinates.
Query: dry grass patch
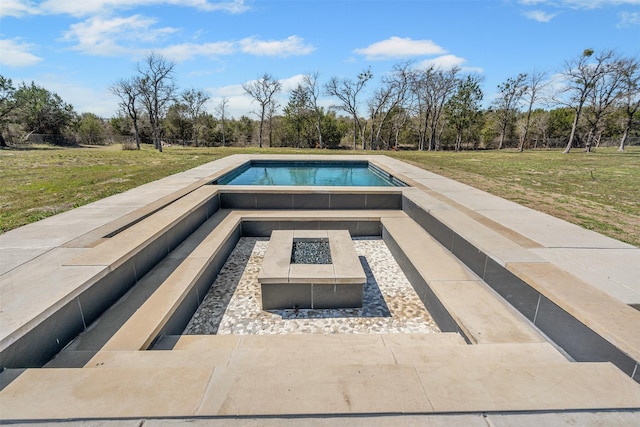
(599, 191)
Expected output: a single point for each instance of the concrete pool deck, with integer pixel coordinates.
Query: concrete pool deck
(537, 315)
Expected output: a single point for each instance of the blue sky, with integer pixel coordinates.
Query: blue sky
(79, 48)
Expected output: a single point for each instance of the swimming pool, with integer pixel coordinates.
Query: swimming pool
(310, 173)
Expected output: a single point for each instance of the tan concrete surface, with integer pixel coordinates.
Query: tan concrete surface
(618, 323)
(501, 248)
(483, 317)
(345, 267)
(429, 257)
(590, 276)
(345, 261)
(446, 355)
(311, 273)
(161, 359)
(26, 294)
(277, 259)
(614, 271)
(559, 418)
(532, 386)
(114, 251)
(552, 232)
(104, 393)
(298, 389)
(147, 322)
(207, 342)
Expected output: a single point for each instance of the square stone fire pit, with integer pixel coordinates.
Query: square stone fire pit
(285, 285)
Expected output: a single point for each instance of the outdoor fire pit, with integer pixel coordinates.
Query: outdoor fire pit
(311, 269)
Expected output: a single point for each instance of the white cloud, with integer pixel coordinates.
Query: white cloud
(15, 53)
(75, 92)
(291, 46)
(84, 100)
(234, 6)
(291, 83)
(240, 103)
(447, 62)
(18, 8)
(555, 87)
(580, 4)
(398, 47)
(186, 51)
(136, 34)
(628, 19)
(93, 7)
(109, 37)
(539, 15)
(593, 4)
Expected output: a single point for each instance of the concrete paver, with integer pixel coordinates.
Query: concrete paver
(483, 317)
(531, 386)
(601, 312)
(300, 390)
(27, 295)
(429, 257)
(616, 271)
(104, 393)
(553, 232)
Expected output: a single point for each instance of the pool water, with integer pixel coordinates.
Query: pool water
(316, 173)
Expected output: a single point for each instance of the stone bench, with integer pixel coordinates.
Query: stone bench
(189, 282)
(51, 299)
(456, 297)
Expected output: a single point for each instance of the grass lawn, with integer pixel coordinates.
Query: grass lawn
(599, 191)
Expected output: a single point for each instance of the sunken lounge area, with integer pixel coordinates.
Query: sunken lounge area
(440, 304)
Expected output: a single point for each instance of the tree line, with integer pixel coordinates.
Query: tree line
(595, 97)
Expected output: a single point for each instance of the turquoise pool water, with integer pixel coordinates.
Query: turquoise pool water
(317, 173)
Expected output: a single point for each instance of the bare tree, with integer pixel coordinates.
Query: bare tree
(534, 86)
(271, 114)
(263, 91)
(606, 91)
(581, 76)
(194, 100)
(221, 109)
(630, 95)
(347, 91)
(509, 95)
(157, 88)
(128, 90)
(379, 110)
(312, 88)
(388, 99)
(432, 89)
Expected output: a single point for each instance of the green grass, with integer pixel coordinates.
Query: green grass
(599, 191)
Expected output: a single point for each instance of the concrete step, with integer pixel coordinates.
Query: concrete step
(302, 389)
(481, 314)
(454, 387)
(329, 350)
(189, 281)
(92, 339)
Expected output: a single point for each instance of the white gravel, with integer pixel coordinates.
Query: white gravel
(233, 304)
